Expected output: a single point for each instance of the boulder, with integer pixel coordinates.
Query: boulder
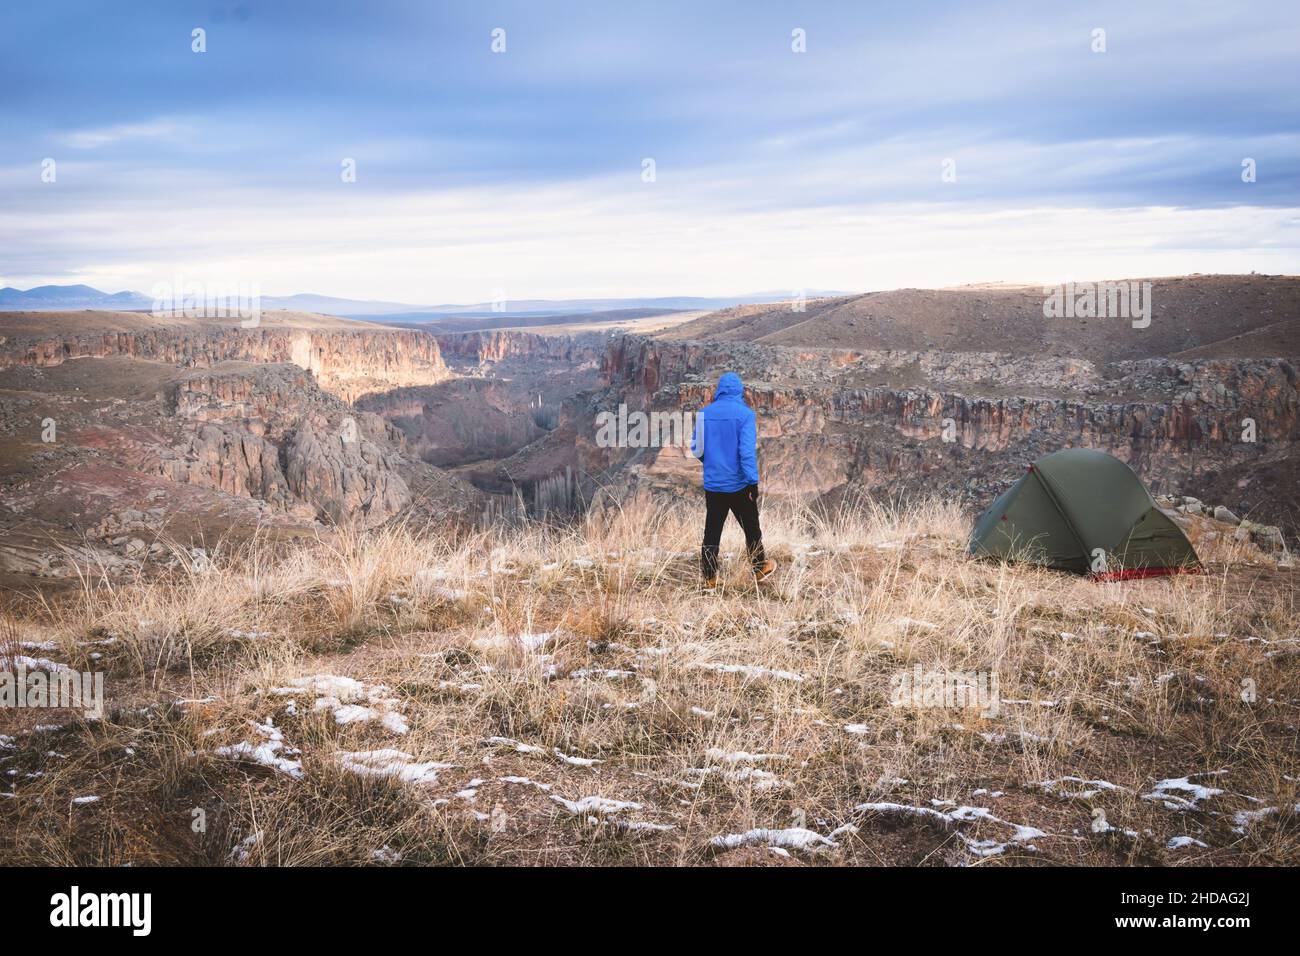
(1223, 514)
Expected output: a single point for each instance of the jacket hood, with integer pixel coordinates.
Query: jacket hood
(729, 386)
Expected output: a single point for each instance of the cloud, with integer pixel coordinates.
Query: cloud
(113, 135)
(523, 168)
(610, 237)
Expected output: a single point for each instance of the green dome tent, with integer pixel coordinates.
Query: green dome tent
(1082, 510)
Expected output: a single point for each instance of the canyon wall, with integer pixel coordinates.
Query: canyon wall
(269, 432)
(497, 345)
(347, 362)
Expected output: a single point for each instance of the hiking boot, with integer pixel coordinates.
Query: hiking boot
(710, 584)
(764, 570)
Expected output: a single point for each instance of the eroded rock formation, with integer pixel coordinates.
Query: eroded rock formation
(269, 432)
(349, 363)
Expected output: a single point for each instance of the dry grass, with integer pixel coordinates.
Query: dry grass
(1126, 683)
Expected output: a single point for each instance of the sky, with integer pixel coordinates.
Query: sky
(908, 144)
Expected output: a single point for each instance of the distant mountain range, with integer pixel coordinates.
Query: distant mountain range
(49, 298)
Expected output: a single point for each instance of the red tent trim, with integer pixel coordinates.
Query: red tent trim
(1130, 574)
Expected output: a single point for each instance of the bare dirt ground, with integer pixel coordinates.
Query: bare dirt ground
(1221, 316)
(567, 695)
(1278, 338)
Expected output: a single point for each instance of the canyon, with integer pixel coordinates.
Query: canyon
(129, 439)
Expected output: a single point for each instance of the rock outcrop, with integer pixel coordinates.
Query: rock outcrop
(348, 363)
(268, 432)
(232, 460)
(345, 476)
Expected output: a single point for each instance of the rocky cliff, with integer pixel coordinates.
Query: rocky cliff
(268, 432)
(497, 346)
(347, 362)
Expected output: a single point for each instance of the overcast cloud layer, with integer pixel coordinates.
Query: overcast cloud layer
(522, 171)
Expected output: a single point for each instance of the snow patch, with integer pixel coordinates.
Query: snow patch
(1163, 793)
(1090, 787)
(395, 764)
(595, 805)
(741, 756)
(750, 670)
(760, 780)
(1022, 834)
(793, 838)
(350, 701)
(268, 753)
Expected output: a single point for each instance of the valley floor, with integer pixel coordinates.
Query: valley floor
(537, 695)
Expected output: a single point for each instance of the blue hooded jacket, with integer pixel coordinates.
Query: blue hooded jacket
(726, 438)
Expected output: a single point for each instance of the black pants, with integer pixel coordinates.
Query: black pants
(745, 508)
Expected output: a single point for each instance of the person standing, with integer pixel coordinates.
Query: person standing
(726, 442)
